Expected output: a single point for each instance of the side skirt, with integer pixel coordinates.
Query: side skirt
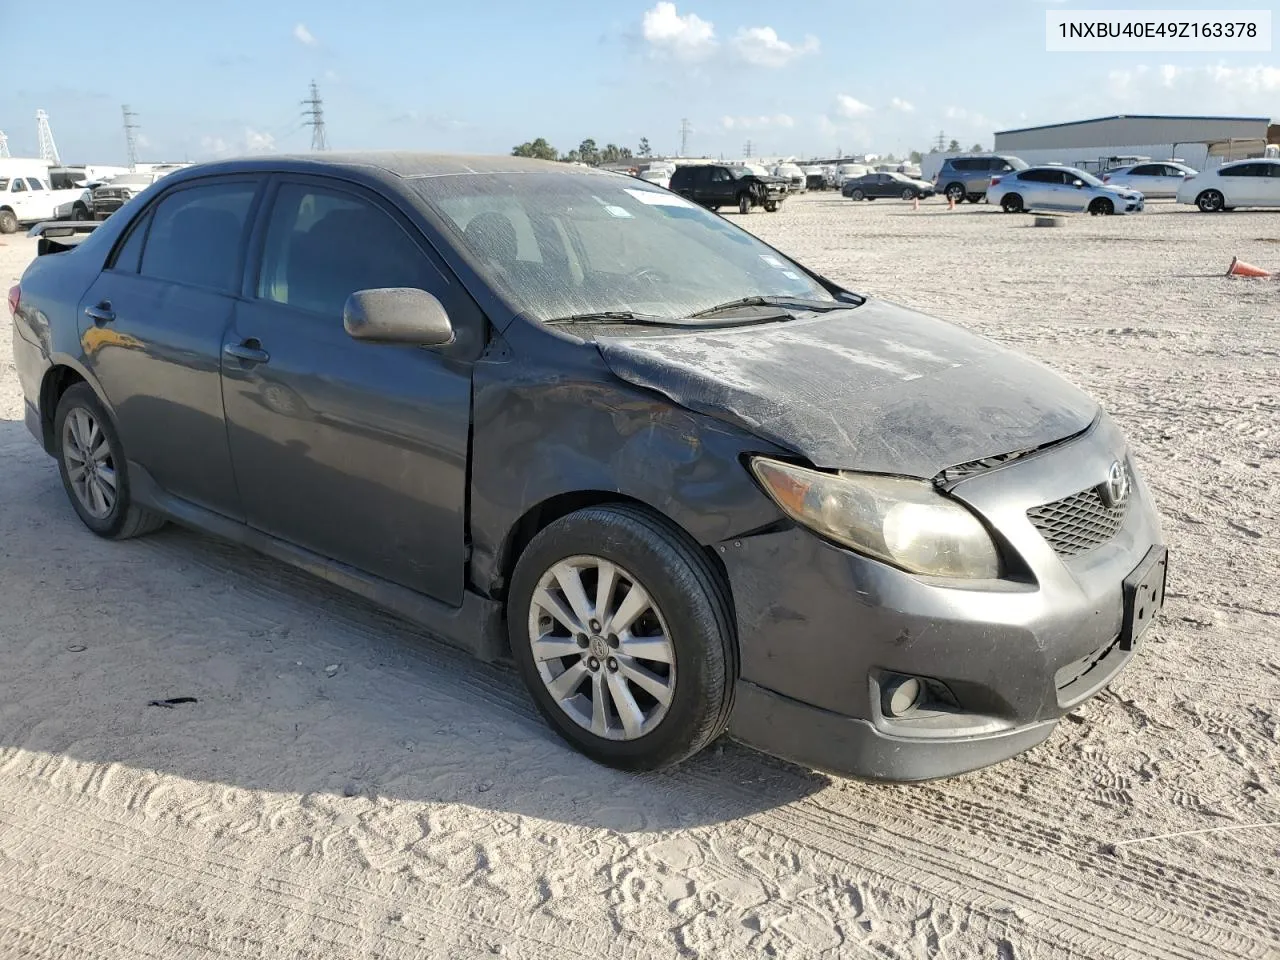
(476, 626)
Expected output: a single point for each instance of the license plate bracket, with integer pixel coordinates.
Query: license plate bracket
(1143, 596)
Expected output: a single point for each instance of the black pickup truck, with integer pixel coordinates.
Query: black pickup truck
(718, 185)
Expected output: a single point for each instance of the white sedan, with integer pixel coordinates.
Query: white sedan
(1160, 179)
(1066, 189)
(1245, 183)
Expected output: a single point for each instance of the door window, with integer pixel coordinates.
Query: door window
(1148, 170)
(323, 245)
(197, 234)
(34, 184)
(129, 256)
(1244, 170)
(720, 175)
(18, 185)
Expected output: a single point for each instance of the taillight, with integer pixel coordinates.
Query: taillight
(994, 181)
(15, 295)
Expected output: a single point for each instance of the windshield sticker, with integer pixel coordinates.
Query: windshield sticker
(791, 274)
(621, 212)
(653, 198)
(773, 261)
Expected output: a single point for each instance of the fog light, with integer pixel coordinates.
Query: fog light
(901, 695)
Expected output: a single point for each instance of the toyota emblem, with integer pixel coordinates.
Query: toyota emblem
(1115, 492)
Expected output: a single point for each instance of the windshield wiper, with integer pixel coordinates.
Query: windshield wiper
(803, 303)
(621, 316)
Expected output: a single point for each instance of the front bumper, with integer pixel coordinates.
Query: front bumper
(822, 629)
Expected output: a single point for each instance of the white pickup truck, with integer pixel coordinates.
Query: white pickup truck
(25, 197)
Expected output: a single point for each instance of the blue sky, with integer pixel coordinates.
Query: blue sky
(805, 77)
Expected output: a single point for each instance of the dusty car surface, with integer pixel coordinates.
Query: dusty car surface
(687, 484)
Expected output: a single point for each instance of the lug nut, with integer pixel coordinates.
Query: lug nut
(593, 663)
(582, 640)
(595, 626)
(613, 665)
(613, 640)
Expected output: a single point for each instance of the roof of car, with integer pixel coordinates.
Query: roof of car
(395, 163)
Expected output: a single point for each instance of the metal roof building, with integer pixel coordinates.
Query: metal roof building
(1200, 141)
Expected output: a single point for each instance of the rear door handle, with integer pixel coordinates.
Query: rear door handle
(247, 351)
(102, 313)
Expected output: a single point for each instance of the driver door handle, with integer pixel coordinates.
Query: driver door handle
(247, 351)
(102, 313)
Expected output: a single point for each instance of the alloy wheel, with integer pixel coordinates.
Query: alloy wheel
(602, 648)
(91, 467)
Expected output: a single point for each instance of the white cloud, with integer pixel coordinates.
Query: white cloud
(1215, 89)
(849, 107)
(762, 47)
(762, 122)
(903, 106)
(303, 35)
(971, 121)
(257, 141)
(253, 141)
(687, 37)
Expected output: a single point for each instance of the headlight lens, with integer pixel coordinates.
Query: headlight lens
(903, 522)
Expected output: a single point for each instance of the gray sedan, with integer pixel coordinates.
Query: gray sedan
(1060, 189)
(569, 418)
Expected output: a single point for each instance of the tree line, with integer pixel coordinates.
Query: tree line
(586, 152)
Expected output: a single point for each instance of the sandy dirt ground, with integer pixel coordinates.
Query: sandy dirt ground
(345, 788)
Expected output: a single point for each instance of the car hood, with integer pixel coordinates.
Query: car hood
(878, 388)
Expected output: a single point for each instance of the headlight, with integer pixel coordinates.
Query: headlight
(903, 522)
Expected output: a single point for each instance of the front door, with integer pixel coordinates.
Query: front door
(152, 326)
(353, 450)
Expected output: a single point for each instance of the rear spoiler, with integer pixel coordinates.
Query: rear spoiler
(56, 236)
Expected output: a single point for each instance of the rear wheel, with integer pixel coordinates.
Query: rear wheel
(1102, 207)
(622, 630)
(8, 221)
(955, 191)
(771, 207)
(79, 212)
(857, 195)
(1012, 203)
(908, 194)
(1211, 201)
(94, 471)
(744, 202)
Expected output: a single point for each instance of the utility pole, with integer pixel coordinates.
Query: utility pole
(130, 136)
(4, 144)
(684, 136)
(48, 149)
(315, 118)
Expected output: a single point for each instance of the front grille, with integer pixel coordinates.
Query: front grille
(1078, 523)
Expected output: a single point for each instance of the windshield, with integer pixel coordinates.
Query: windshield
(567, 244)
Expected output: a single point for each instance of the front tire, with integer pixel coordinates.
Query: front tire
(744, 203)
(771, 208)
(1011, 203)
(956, 192)
(94, 470)
(623, 633)
(908, 194)
(79, 212)
(1102, 207)
(8, 221)
(1211, 201)
(857, 195)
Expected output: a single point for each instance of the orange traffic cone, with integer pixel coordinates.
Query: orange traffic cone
(951, 203)
(1239, 268)
(915, 202)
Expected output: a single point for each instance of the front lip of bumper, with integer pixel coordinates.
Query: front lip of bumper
(819, 625)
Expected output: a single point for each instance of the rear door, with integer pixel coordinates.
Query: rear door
(1270, 186)
(353, 450)
(152, 327)
(721, 186)
(1243, 185)
(1036, 190)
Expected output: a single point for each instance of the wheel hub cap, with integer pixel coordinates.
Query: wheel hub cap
(90, 463)
(602, 648)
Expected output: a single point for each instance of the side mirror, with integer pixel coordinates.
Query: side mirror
(397, 315)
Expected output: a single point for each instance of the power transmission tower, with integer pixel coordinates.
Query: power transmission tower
(315, 118)
(746, 150)
(48, 149)
(941, 143)
(684, 136)
(130, 137)
(4, 144)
